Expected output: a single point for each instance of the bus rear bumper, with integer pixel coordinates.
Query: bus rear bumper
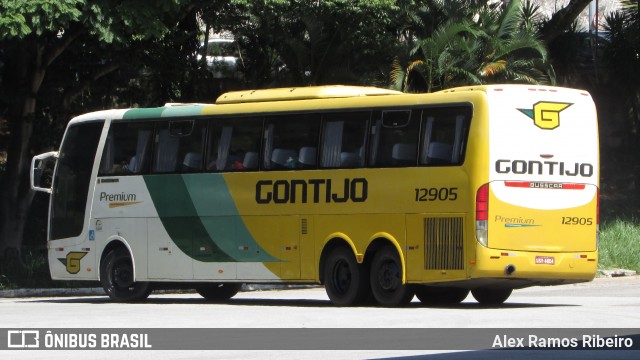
(537, 268)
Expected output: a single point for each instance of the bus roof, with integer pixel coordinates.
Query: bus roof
(510, 87)
(277, 100)
(239, 97)
(302, 93)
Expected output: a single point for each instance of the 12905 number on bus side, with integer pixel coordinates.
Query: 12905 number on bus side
(573, 220)
(436, 194)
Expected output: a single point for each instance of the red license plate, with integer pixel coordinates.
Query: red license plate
(545, 260)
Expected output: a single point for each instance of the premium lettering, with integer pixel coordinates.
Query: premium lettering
(117, 197)
(514, 220)
(312, 190)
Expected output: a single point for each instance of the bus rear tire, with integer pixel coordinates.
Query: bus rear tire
(344, 279)
(219, 291)
(117, 277)
(438, 295)
(386, 279)
(486, 296)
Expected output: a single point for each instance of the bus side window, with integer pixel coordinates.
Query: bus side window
(444, 136)
(394, 136)
(343, 139)
(245, 144)
(126, 150)
(291, 142)
(234, 144)
(179, 146)
(191, 147)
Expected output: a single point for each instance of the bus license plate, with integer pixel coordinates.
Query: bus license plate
(545, 260)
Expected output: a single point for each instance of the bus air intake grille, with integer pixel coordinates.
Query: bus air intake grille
(443, 243)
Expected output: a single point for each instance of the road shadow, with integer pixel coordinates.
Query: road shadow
(524, 354)
(303, 303)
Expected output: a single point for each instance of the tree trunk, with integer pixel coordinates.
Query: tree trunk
(15, 193)
(23, 75)
(562, 20)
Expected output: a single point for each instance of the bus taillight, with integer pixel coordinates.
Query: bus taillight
(482, 214)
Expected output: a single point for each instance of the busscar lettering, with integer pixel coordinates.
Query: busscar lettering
(535, 167)
(546, 185)
(313, 190)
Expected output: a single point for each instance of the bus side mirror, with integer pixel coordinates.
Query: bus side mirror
(42, 171)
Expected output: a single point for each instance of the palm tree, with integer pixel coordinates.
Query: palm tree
(511, 48)
(442, 60)
(497, 46)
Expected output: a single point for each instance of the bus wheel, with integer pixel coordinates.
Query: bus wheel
(344, 279)
(486, 296)
(437, 295)
(116, 276)
(219, 291)
(386, 279)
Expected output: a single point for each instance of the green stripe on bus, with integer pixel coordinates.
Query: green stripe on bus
(182, 110)
(143, 113)
(212, 200)
(180, 219)
(200, 217)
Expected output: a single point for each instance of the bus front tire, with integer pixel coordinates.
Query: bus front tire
(490, 297)
(386, 279)
(436, 295)
(344, 279)
(219, 292)
(117, 277)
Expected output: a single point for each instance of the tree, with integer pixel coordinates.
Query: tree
(498, 46)
(622, 54)
(34, 35)
(443, 60)
(313, 42)
(511, 48)
(562, 20)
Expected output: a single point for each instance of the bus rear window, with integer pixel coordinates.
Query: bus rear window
(444, 136)
(419, 137)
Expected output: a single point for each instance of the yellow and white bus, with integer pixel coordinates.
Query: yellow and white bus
(377, 194)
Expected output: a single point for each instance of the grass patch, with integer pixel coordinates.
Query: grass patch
(620, 244)
(32, 271)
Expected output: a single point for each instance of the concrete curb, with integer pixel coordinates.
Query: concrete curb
(61, 292)
(617, 273)
(18, 293)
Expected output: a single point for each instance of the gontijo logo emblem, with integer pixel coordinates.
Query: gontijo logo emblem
(545, 114)
(72, 261)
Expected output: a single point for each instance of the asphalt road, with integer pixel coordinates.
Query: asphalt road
(604, 303)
